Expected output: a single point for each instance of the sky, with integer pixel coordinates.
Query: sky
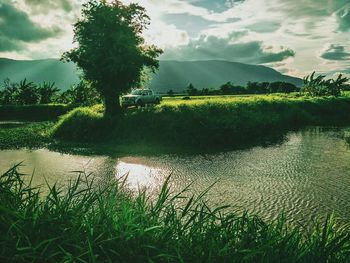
(295, 37)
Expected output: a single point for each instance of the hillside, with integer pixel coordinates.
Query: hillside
(172, 75)
(49, 70)
(176, 76)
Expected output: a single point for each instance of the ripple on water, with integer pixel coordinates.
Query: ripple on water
(306, 176)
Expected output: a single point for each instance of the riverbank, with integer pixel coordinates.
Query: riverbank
(203, 123)
(175, 125)
(108, 224)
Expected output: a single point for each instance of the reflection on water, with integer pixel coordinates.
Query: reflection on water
(306, 176)
(138, 176)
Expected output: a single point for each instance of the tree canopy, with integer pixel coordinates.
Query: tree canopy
(111, 50)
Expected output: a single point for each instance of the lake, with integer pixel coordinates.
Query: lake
(306, 176)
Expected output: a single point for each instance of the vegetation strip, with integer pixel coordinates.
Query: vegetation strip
(203, 122)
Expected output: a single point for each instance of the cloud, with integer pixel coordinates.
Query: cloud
(217, 5)
(193, 25)
(265, 26)
(216, 48)
(42, 6)
(16, 28)
(335, 52)
(343, 18)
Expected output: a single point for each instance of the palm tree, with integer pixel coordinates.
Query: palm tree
(27, 93)
(9, 93)
(47, 91)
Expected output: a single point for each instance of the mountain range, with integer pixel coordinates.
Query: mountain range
(172, 75)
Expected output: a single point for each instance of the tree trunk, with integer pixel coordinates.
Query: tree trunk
(112, 106)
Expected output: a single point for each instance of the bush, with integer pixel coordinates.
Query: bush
(82, 125)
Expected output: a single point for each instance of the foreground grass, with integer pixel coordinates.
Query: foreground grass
(204, 122)
(89, 222)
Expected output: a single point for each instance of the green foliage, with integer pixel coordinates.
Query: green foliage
(47, 92)
(18, 135)
(252, 88)
(281, 87)
(81, 125)
(89, 221)
(320, 87)
(27, 93)
(9, 93)
(111, 50)
(191, 90)
(82, 93)
(218, 121)
(171, 93)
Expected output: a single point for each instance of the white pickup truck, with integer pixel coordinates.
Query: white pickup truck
(140, 97)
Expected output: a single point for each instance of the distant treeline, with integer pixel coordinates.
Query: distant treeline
(251, 88)
(255, 88)
(30, 93)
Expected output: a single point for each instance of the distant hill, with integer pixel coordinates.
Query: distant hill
(172, 75)
(49, 70)
(176, 75)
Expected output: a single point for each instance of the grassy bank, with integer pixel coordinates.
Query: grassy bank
(204, 122)
(20, 134)
(89, 222)
(33, 112)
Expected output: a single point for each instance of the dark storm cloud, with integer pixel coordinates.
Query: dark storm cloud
(213, 48)
(16, 28)
(46, 5)
(335, 52)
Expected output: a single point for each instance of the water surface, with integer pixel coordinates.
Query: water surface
(305, 177)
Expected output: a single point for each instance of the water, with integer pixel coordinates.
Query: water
(305, 177)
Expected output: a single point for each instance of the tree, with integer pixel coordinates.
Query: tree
(318, 86)
(47, 91)
(171, 93)
(280, 86)
(9, 93)
(191, 90)
(27, 93)
(111, 50)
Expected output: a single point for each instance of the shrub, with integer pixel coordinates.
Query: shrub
(82, 125)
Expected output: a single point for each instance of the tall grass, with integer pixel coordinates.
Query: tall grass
(90, 222)
(207, 122)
